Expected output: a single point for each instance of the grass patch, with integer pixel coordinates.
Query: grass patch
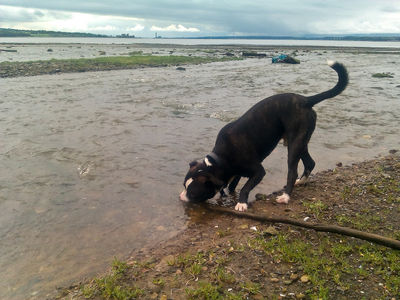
(31, 68)
(113, 285)
(315, 207)
(383, 75)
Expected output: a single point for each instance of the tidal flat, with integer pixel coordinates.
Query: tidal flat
(93, 162)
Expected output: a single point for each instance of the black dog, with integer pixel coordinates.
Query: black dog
(242, 145)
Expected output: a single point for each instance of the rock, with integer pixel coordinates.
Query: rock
(287, 282)
(271, 231)
(300, 296)
(393, 151)
(261, 196)
(163, 297)
(253, 54)
(274, 280)
(304, 278)
(339, 164)
(180, 69)
(294, 277)
(161, 228)
(243, 226)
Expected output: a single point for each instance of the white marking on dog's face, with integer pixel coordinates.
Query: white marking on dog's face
(207, 162)
(284, 198)
(241, 206)
(183, 196)
(188, 182)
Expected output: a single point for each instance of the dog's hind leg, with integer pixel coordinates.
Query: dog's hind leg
(296, 147)
(309, 165)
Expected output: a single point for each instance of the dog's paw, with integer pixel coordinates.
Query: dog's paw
(284, 198)
(241, 206)
(301, 181)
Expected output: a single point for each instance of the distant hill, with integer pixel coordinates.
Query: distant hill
(6, 32)
(355, 37)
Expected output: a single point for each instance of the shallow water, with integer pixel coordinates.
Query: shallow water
(91, 164)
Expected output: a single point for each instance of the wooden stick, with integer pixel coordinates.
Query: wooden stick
(371, 237)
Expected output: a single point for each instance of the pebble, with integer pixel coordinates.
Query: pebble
(300, 296)
(261, 197)
(274, 279)
(304, 278)
(271, 230)
(294, 277)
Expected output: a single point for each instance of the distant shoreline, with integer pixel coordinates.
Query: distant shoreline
(388, 37)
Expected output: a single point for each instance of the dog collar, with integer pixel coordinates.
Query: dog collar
(212, 159)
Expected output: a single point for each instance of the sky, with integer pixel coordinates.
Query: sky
(183, 18)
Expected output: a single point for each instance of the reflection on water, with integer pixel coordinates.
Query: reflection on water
(92, 164)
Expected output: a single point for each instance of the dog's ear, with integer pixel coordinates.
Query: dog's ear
(192, 164)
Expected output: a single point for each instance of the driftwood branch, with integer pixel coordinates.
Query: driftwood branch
(371, 237)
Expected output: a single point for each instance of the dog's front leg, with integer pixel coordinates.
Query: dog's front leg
(255, 179)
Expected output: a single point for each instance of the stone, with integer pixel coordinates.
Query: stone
(294, 276)
(304, 278)
(271, 231)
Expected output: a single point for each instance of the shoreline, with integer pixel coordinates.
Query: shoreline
(232, 258)
(173, 54)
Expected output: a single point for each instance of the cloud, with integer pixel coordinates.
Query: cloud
(176, 28)
(38, 19)
(205, 17)
(137, 27)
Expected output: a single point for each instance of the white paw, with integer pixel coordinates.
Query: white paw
(284, 198)
(302, 180)
(241, 206)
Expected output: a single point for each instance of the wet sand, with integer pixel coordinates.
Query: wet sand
(95, 160)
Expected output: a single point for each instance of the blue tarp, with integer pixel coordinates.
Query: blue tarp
(284, 58)
(279, 58)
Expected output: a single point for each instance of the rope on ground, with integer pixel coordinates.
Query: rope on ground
(371, 237)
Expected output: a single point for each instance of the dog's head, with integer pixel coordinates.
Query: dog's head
(200, 182)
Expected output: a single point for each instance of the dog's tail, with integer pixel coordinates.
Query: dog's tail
(337, 89)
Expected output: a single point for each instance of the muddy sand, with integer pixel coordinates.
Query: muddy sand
(223, 257)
